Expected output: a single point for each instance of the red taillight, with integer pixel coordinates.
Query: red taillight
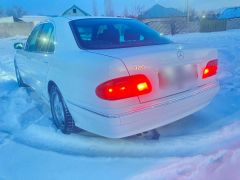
(211, 69)
(124, 87)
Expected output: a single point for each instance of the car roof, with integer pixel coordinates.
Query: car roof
(95, 17)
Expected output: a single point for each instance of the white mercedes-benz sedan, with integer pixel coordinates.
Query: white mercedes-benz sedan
(114, 77)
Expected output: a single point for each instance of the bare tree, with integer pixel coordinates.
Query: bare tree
(94, 6)
(108, 8)
(16, 11)
(138, 10)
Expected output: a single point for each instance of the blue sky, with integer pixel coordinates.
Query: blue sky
(56, 7)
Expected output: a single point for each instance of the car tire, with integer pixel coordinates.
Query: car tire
(60, 113)
(18, 76)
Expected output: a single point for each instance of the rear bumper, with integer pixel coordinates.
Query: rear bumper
(147, 116)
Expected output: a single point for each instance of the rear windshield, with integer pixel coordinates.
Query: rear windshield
(114, 33)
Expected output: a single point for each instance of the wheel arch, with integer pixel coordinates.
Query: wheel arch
(51, 83)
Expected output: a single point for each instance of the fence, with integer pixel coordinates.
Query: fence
(179, 26)
(213, 25)
(233, 23)
(15, 29)
(174, 26)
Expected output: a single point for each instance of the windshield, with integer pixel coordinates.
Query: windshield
(114, 33)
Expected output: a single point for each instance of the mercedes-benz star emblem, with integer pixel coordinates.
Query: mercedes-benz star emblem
(180, 54)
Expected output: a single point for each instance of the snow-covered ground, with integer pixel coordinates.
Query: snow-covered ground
(205, 145)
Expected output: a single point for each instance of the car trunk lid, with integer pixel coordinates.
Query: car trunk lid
(183, 63)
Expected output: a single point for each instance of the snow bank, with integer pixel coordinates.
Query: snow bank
(42, 138)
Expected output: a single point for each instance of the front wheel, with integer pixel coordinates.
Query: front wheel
(18, 76)
(60, 113)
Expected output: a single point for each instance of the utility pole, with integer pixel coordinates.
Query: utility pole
(188, 12)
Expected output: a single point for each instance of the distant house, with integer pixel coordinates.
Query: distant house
(75, 11)
(230, 13)
(158, 12)
(232, 17)
(165, 20)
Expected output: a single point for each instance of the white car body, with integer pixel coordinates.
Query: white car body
(77, 73)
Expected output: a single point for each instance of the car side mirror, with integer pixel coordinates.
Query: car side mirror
(18, 45)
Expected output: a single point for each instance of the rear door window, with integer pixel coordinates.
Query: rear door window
(41, 39)
(45, 42)
(31, 44)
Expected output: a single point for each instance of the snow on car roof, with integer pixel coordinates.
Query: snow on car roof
(67, 19)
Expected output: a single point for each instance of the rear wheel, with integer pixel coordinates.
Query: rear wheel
(60, 113)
